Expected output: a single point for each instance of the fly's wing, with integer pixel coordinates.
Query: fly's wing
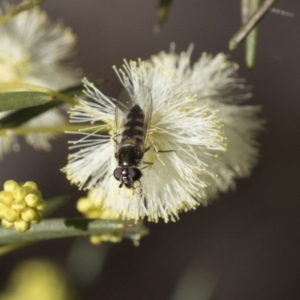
(144, 99)
(123, 105)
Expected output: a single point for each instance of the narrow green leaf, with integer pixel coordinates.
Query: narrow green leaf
(251, 39)
(62, 228)
(25, 5)
(6, 87)
(77, 90)
(17, 100)
(40, 99)
(248, 26)
(56, 129)
(73, 91)
(245, 10)
(18, 117)
(54, 203)
(30, 105)
(162, 12)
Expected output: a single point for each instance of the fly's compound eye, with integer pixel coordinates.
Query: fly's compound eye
(130, 174)
(118, 173)
(135, 173)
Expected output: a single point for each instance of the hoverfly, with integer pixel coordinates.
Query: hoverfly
(132, 120)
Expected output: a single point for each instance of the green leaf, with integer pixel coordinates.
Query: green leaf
(17, 118)
(54, 203)
(17, 100)
(62, 228)
(30, 104)
(251, 39)
(77, 90)
(73, 91)
(20, 87)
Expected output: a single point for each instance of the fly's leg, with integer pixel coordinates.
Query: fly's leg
(158, 151)
(137, 186)
(148, 164)
(115, 138)
(165, 151)
(148, 148)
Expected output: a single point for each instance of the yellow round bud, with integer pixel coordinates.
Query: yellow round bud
(29, 190)
(6, 198)
(41, 205)
(96, 239)
(30, 184)
(100, 238)
(18, 205)
(10, 215)
(2, 209)
(22, 226)
(9, 185)
(113, 237)
(94, 214)
(84, 205)
(6, 224)
(18, 193)
(108, 214)
(28, 214)
(32, 200)
(37, 218)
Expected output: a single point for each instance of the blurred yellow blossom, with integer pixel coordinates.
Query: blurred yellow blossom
(35, 50)
(38, 280)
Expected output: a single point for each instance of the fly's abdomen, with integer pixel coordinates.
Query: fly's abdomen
(134, 127)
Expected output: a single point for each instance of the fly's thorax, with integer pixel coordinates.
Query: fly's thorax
(129, 155)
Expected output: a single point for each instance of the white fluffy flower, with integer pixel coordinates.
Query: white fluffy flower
(35, 50)
(216, 83)
(195, 113)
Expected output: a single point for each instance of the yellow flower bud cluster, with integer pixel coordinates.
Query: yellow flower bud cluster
(90, 209)
(20, 205)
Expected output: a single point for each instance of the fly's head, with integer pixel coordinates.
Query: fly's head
(127, 176)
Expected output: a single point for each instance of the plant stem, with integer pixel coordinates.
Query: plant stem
(20, 8)
(49, 129)
(247, 27)
(61, 228)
